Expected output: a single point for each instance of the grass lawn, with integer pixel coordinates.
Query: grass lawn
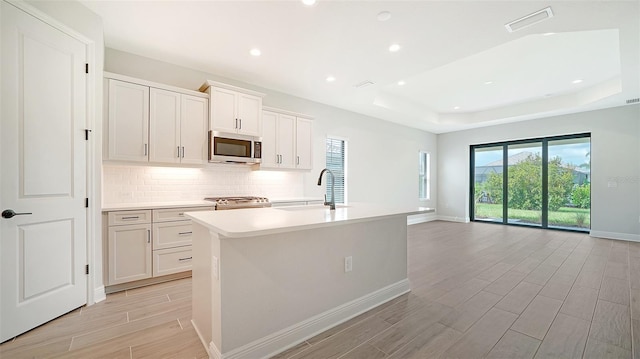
(564, 217)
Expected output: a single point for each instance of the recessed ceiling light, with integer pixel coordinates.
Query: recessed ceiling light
(384, 16)
(488, 82)
(456, 108)
(394, 47)
(330, 78)
(309, 2)
(255, 52)
(401, 83)
(576, 81)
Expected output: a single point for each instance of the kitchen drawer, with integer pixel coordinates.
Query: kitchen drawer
(175, 214)
(172, 260)
(129, 217)
(172, 234)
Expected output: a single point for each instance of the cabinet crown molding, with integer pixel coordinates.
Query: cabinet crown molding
(286, 112)
(137, 81)
(210, 83)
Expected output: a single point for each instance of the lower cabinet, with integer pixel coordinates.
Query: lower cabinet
(158, 244)
(129, 253)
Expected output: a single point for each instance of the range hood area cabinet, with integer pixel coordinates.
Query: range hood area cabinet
(154, 123)
(286, 140)
(234, 109)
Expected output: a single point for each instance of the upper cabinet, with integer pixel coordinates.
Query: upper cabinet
(128, 106)
(147, 123)
(286, 140)
(233, 109)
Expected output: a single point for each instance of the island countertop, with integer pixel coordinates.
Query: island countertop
(263, 221)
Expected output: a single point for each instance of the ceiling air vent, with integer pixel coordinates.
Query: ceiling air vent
(363, 84)
(633, 100)
(529, 20)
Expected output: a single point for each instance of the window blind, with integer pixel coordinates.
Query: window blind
(423, 176)
(336, 155)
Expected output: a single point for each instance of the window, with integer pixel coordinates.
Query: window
(424, 173)
(541, 182)
(336, 162)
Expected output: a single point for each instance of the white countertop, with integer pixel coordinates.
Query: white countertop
(296, 199)
(262, 221)
(153, 205)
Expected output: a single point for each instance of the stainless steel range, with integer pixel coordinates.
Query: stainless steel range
(223, 203)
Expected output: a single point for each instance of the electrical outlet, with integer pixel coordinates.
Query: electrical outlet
(348, 264)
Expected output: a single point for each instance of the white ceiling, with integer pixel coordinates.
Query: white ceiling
(449, 50)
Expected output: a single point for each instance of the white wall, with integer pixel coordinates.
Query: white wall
(89, 25)
(615, 157)
(382, 157)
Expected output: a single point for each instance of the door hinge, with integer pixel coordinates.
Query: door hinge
(86, 134)
(86, 269)
(86, 68)
(86, 203)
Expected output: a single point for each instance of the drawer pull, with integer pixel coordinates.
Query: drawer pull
(184, 233)
(181, 214)
(185, 259)
(130, 217)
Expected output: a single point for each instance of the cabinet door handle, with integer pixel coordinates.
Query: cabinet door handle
(182, 151)
(241, 124)
(178, 151)
(185, 259)
(148, 236)
(236, 123)
(145, 149)
(184, 233)
(130, 218)
(297, 160)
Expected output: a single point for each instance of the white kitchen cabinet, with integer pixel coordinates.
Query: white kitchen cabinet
(233, 109)
(147, 243)
(304, 141)
(129, 253)
(286, 140)
(278, 144)
(149, 122)
(164, 126)
(128, 121)
(193, 129)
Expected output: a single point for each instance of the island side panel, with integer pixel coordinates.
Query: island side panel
(273, 282)
(206, 287)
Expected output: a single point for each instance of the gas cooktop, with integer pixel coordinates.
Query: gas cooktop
(223, 203)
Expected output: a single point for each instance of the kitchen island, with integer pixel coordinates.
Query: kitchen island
(266, 279)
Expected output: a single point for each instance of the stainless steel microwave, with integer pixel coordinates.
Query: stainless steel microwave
(236, 148)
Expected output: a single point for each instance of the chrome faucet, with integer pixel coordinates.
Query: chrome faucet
(332, 203)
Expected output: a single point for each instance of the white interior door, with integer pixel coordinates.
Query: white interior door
(43, 159)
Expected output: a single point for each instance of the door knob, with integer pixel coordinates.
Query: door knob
(9, 213)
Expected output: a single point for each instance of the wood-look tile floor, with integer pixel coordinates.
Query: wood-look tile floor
(478, 290)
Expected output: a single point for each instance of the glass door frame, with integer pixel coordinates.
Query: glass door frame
(544, 141)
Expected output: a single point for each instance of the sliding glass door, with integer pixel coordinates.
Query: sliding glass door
(488, 184)
(570, 183)
(542, 182)
(524, 183)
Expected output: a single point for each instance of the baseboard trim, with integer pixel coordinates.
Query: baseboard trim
(99, 294)
(454, 219)
(211, 349)
(282, 340)
(614, 235)
(421, 218)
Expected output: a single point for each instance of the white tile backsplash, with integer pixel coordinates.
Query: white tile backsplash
(134, 184)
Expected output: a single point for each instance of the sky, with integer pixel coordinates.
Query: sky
(570, 153)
